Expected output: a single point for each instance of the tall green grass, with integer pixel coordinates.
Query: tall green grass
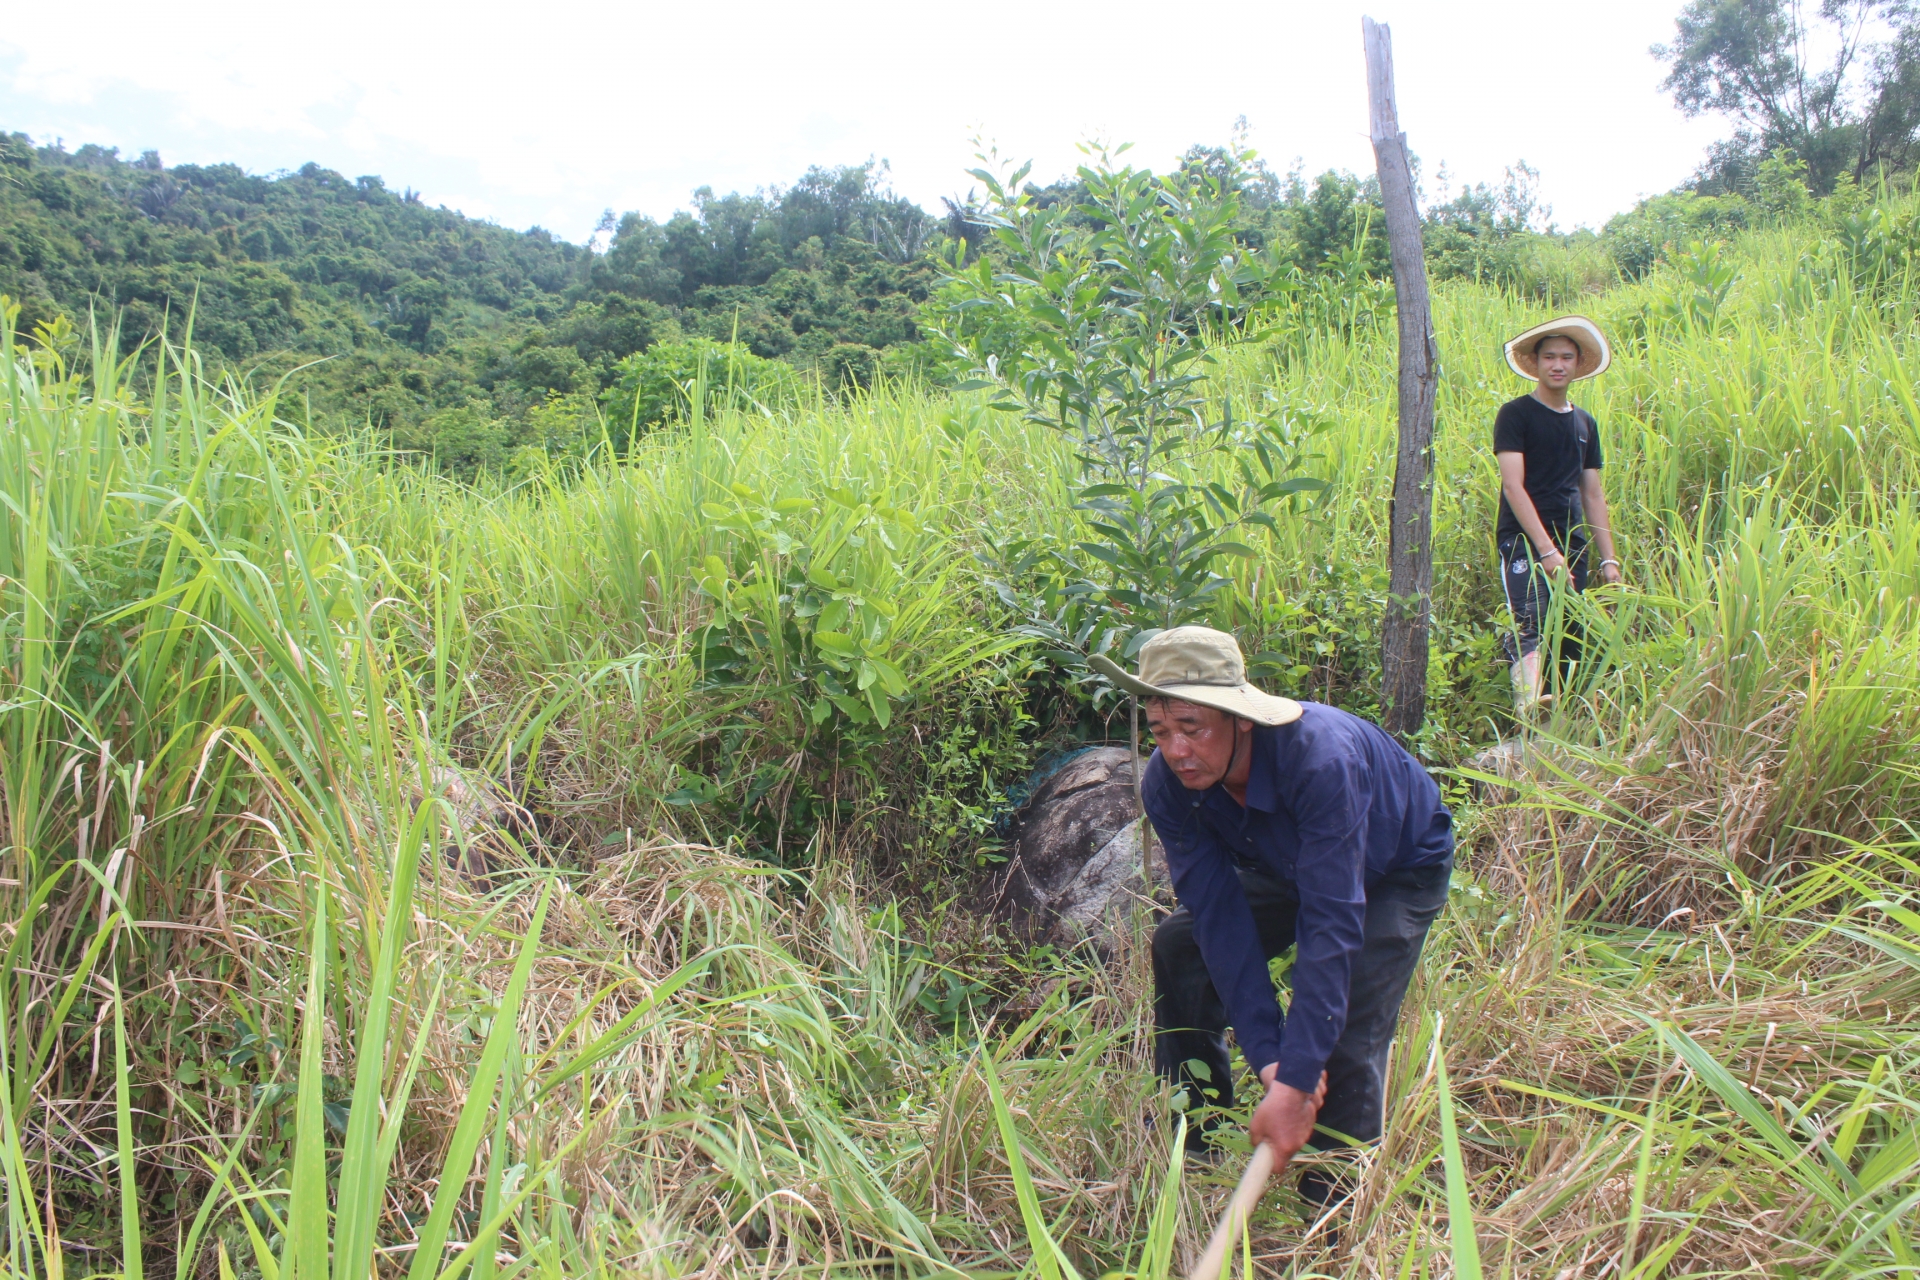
(392, 884)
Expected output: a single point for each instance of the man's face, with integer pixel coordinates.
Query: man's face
(1558, 358)
(1196, 742)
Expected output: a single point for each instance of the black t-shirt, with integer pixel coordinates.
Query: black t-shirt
(1557, 448)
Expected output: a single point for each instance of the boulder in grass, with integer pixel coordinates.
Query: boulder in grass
(1074, 868)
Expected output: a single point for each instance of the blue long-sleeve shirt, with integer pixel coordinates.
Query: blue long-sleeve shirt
(1333, 804)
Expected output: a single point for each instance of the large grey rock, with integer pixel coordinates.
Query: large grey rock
(1075, 867)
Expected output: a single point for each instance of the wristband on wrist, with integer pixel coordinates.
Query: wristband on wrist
(1609, 561)
(1548, 553)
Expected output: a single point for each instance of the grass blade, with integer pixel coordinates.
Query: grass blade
(473, 1115)
(1156, 1257)
(1460, 1226)
(130, 1233)
(185, 1264)
(362, 1177)
(1048, 1258)
(1776, 1147)
(305, 1257)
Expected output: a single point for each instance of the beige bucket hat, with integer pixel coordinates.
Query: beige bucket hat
(1201, 666)
(1595, 355)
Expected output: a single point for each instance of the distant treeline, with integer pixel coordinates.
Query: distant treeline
(435, 322)
(469, 344)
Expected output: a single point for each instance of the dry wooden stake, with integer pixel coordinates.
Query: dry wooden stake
(1403, 637)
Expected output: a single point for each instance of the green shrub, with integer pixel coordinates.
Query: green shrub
(850, 364)
(658, 385)
(461, 441)
(1641, 238)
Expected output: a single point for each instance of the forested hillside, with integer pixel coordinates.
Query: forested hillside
(450, 333)
(478, 348)
(466, 342)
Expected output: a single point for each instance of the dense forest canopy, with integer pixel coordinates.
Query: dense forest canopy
(438, 325)
(483, 348)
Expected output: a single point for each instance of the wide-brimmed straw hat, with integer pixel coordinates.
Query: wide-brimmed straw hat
(1595, 355)
(1204, 667)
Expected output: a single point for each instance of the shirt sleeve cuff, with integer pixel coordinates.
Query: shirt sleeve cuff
(1304, 1076)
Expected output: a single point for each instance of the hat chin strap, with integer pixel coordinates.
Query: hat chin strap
(1233, 757)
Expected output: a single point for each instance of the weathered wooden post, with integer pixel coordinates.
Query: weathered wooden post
(1403, 644)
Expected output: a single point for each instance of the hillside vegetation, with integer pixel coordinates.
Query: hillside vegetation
(410, 875)
(473, 348)
(448, 334)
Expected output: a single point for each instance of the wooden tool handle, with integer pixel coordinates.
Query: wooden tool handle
(1239, 1211)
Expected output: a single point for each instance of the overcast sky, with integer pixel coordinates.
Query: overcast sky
(548, 116)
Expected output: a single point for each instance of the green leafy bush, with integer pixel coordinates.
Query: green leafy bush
(1643, 237)
(659, 384)
(808, 595)
(1093, 320)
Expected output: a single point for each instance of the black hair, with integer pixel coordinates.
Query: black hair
(1542, 340)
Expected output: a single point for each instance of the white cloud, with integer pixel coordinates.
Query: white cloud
(546, 116)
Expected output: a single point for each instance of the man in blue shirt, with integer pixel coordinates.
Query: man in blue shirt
(1286, 824)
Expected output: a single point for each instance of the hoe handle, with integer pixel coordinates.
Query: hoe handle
(1239, 1211)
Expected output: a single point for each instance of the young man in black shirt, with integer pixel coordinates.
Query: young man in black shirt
(1552, 505)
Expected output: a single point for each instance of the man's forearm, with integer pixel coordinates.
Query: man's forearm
(1599, 519)
(1529, 518)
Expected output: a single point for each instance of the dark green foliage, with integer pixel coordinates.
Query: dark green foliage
(463, 439)
(308, 260)
(1642, 237)
(1665, 226)
(822, 644)
(1289, 223)
(1337, 214)
(451, 335)
(1752, 60)
(1092, 319)
(1477, 233)
(654, 385)
(790, 272)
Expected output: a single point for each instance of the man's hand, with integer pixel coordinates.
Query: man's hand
(1554, 563)
(1285, 1116)
(1610, 572)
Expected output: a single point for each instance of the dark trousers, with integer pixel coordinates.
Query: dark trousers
(1189, 1043)
(1530, 591)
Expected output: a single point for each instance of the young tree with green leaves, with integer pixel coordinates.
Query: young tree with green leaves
(1095, 319)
